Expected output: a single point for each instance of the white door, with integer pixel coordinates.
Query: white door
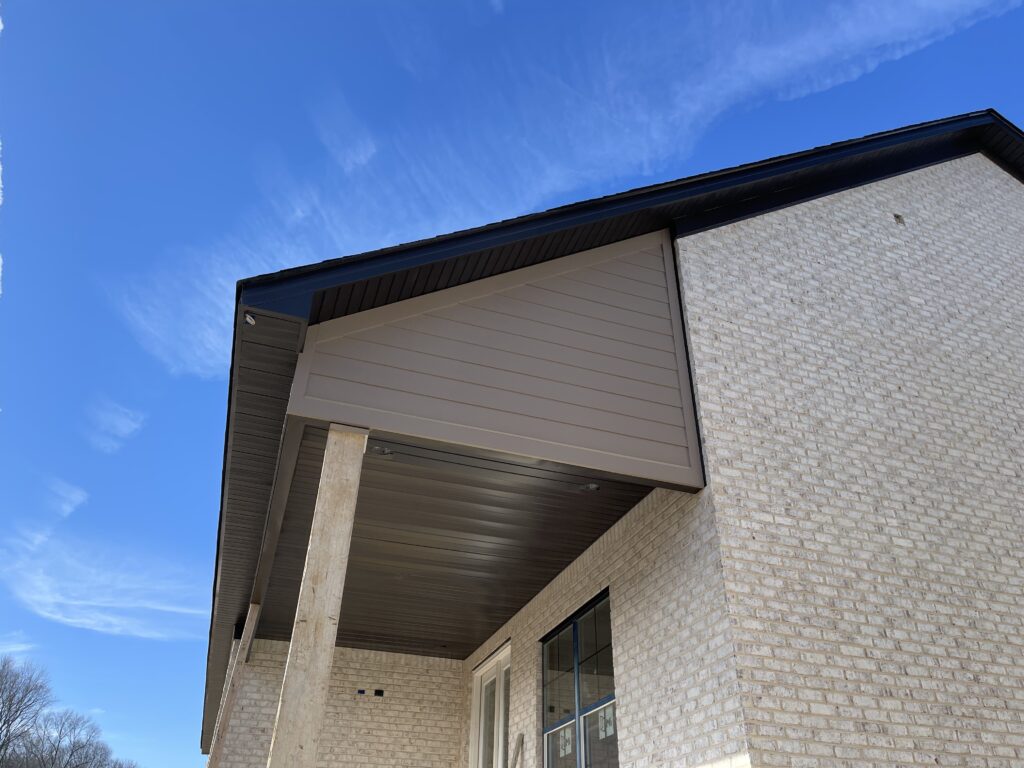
(490, 712)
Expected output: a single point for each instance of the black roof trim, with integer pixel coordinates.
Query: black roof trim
(317, 292)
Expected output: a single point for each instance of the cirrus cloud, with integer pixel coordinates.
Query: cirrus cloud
(634, 88)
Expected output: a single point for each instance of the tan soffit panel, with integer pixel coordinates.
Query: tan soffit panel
(579, 360)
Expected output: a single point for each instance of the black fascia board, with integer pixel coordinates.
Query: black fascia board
(827, 182)
(291, 291)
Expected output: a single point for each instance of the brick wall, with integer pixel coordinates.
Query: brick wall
(860, 385)
(677, 696)
(417, 723)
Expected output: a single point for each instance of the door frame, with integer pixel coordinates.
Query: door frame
(494, 666)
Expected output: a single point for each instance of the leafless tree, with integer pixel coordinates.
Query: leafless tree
(66, 739)
(34, 736)
(24, 694)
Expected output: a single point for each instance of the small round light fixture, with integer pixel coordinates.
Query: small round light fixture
(249, 319)
(590, 487)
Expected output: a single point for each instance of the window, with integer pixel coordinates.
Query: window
(490, 711)
(579, 692)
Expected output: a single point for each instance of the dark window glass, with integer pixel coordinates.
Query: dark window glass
(559, 682)
(601, 744)
(577, 664)
(561, 747)
(597, 679)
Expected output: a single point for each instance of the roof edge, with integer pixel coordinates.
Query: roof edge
(291, 290)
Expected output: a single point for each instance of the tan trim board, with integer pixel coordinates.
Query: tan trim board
(662, 472)
(675, 301)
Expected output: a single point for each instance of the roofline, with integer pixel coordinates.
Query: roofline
(291, 290)
(206, 734)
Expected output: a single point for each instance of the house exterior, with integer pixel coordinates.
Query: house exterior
(721, 472)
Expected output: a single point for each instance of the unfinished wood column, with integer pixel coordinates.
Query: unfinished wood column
(227, 702)
(307, 672)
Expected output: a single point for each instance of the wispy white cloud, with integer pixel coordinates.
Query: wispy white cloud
(85, 585)
(346, 139)
(65, 497)
(94, 585)
(182, 314)
(111, 424)
(79, 584)
(14, 643)
(539, 120)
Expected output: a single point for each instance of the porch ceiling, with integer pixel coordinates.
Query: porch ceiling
(447, 546)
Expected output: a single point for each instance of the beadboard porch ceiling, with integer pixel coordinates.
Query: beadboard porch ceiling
(447, 546)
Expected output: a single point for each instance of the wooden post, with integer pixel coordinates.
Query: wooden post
(227, 702)
(307, 672)
(517, 753)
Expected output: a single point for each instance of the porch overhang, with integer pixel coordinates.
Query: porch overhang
(448, 544)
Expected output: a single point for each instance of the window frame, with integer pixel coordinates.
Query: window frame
(580, 713)
(495, 665)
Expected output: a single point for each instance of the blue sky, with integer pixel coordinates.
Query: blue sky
(154, 153)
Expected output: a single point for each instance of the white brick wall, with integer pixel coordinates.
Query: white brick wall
(417, 723)
(861, 393)
(675, 682)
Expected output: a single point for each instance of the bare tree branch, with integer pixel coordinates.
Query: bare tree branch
(24, 694)
(66, 739)
(33, 736)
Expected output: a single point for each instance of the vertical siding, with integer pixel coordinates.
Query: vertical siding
(578, 361)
